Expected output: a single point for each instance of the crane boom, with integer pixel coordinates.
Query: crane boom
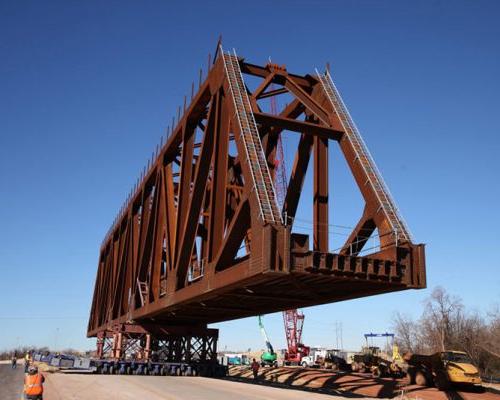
(269, 346)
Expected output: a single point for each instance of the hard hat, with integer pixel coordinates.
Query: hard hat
(32, 370)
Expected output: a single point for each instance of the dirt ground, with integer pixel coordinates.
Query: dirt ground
(273, 383)
(120, 387)
(59, 386)
(354, 385)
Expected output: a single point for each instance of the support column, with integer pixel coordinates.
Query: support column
(100, 344)
(117, 345)
(147, 347)
(320, 207)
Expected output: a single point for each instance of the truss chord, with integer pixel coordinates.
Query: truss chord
(384, 197)
(261, 177)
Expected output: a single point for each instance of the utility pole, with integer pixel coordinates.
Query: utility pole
(55, 339)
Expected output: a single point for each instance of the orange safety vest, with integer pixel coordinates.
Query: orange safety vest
(33, 385)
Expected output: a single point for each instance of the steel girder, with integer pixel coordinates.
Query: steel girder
(190, 247)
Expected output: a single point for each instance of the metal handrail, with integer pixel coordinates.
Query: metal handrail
(388, 204)
(248, 125)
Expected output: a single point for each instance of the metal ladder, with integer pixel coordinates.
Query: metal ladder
(143, 291)
(374, 178)
(261, 177)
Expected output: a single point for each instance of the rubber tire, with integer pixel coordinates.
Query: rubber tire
(410, 376)
(376, 372)
(304, 364)
(442, 383)
(178, 371)
(420, 379)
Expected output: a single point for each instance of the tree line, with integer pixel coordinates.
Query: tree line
(21, 351)
(446, 324)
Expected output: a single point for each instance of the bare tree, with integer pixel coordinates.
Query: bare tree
(406, 331)
(446, 325)
(442, 318)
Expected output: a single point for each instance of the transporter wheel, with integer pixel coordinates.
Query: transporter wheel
(479, 389)
(441, 381)
(111, 370)
(410, 376)
(420, 379)
(178, 371)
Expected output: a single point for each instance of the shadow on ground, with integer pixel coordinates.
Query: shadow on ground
(348, 385)
(353, 385)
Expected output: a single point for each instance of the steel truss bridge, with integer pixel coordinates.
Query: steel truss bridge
(202, 238)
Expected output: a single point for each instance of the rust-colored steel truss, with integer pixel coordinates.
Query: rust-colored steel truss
(201, 239)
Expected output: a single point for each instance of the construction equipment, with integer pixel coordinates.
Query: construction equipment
(296, 350)
(372, 359)
(269, 357)
(443, 369)
(333, 360)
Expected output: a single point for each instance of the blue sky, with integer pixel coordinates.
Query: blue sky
(87, 89)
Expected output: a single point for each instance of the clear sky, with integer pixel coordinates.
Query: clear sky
(87, 89)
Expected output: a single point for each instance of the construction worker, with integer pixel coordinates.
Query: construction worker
(255, 368)
(14, 361)
(33, 384)
(26, 362)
